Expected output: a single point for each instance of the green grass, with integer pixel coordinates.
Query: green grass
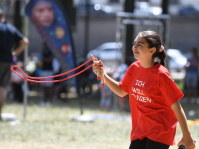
(180, 84)
(52, 128)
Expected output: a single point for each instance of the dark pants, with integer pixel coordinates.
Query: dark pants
(147, 144)
(18, 92)
(5, 74)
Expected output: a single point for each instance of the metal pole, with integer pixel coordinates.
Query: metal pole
(87, 27)
(25, 96)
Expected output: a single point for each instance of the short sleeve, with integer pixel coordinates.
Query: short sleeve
(169, 89)
(124, 84)
(18, 35)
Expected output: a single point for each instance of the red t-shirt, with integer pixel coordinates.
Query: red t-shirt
(151, 94)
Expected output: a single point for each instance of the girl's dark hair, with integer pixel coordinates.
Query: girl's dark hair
(154, 40)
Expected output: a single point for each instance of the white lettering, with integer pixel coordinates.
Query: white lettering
(134, 90)
(142, 98)
(138, 91)
(139, 83)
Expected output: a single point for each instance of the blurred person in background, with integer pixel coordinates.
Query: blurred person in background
(17, 84)
(106, 97)
(122, 71)
(191, 77)
(118, 75)
(10, 37)
(45, 64)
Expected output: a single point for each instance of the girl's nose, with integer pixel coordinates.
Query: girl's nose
(134, 47)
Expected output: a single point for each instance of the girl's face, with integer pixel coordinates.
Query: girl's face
(43, 13)
(141, 49)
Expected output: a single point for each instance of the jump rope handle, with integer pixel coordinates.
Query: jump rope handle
(100, 76)
(181, 147)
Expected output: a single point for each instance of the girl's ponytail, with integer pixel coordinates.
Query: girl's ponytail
(162, 56)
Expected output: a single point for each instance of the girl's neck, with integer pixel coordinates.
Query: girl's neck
(147, 64)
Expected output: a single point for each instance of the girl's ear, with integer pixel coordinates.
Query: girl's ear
(152, 50)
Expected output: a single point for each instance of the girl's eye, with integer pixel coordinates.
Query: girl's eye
(137, 44)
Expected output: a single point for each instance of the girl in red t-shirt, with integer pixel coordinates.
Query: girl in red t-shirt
(153, 96)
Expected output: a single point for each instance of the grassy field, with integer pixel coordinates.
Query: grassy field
(52, 127)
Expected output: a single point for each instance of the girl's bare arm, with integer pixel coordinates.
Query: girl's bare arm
(186, 140)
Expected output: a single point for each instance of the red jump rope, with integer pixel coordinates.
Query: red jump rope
(38, 79)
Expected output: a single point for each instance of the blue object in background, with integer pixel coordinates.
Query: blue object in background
(53, 26)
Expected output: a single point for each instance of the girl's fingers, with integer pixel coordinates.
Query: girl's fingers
(91, 55)
(97, 70)
(93, 58)
(97, 64)
(100, 63)
(96, 61)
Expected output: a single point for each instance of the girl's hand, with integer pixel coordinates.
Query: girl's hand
(97, 66)
(98, 69)
(188, 142)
